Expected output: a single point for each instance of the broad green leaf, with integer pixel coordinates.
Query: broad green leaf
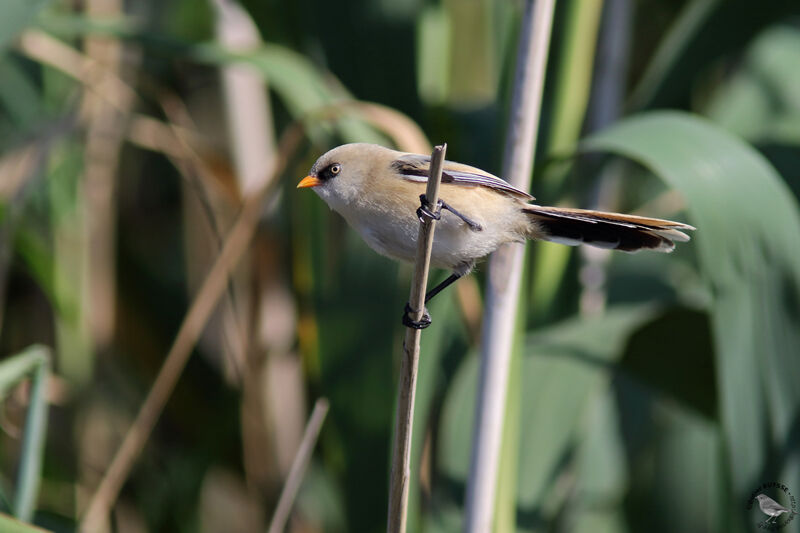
(659, 358)
(687, 468)
(748, 247)
(563, 368)
(674, 459)
(601, 471)
(573, 450)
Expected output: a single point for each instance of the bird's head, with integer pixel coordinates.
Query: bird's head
(341, 175)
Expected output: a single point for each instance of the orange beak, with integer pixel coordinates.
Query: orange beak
(309, 181)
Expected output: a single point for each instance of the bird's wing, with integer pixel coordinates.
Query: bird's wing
(415, 167)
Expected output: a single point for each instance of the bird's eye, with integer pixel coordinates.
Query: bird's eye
(336, 168)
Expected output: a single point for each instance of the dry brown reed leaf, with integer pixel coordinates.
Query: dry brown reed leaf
(200, 310)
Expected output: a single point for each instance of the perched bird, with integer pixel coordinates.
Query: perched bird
(771, 508)
(378, 190)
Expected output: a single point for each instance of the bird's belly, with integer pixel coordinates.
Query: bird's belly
(394, 242)
(454, 246)
(396, 239)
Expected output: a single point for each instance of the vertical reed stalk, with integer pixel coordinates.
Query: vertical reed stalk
(505, 271)
(401, 455)
(104, 138)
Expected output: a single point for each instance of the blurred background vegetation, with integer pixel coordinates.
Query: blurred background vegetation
(649, 393)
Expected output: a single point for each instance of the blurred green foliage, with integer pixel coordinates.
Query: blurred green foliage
(661, 412)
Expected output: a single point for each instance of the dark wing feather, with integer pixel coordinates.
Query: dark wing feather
(415, 167)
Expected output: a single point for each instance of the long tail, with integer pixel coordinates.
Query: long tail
(605, 230)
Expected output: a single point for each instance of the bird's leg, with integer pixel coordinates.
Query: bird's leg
(474, 226)
(442, 286)
(425, 321)
(423, 211)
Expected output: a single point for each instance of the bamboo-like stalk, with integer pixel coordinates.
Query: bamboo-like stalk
(505, 271)
(401, 454)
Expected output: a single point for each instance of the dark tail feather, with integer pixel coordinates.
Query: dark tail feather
(605, 230)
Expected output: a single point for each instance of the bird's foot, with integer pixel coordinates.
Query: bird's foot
(424, 210)
(422, 323)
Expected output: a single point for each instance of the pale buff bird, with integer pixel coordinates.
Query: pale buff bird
(377, 190)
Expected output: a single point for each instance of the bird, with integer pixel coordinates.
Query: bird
(377, 190)
(771, 508)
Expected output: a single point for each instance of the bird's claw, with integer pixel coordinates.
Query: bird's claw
(422, 323)
(424, 211)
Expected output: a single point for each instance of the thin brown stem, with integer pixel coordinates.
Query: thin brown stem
(401, 456)
(299, 466)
